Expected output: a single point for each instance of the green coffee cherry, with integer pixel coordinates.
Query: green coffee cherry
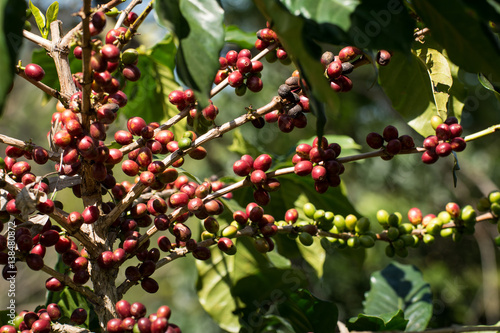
(329, 216)
(392, 233)
(366, 241)
(130, 56)
(292, 236)
(325, 243)
(494, 197)
(394, 220)
(405, 228)
(495, 209)
(416, 240)
(428, 239)
(281, 223)
(207, 235)
(184, 143)
(408, 240)
(341, 244)
(468, 215)
(306, 239)
(497, 241)
(362, 226)
(436, 121)
(483, 205)
(2, 163)
(398, 243)
(350, 221)
(353, 242)
(332, 240)
(433, 228)
(339, 222)
(113, 12)
(390, 251)
(319, 215)
(383, 217)
(229, 231)
(444, 216)
(446, 232)
(309, 208)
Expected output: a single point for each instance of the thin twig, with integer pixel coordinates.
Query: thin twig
(125, 12)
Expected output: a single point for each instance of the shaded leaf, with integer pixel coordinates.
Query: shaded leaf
(12, 17)
(39, 19)
(382, 24)
(4, 317)
(464, 34)
(400, 287)
(199, 28)
(245, 40)
(393, 321)
(408, 85)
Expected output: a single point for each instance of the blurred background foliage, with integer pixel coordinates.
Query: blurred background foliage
(456, 272)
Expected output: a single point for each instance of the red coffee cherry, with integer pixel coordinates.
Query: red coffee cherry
(34, 71)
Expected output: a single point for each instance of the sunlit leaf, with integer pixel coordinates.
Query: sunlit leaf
(393, 321)
(51, 14)
(40, 20)
(245, 40)
(199, 27)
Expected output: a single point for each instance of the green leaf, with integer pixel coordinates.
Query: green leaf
(245, 40)
(382, 24)
(40, 20)
(5, 317)
(241, 146)
(407, 84)
(324, 11)
(68, 300)
(440, 74)
(51, 14)
(463, 32)
(400, 287)
(12, 17)
(199, 28)
(149, 97)
(393, 321)
(218, 276)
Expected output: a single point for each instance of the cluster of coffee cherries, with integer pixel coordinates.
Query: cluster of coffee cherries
(463, 219)
(157, 141)
(241, 71)
(40, 321)
(132, 318)
(319, 161)
(264, 225)
(256, 170)
(344, 231)
(491, 204)
(108, 58)
(294, 106)
(390, 141)
(201, 120)
(337, 67)
(33, 247)
(447, 139)
(266, 37)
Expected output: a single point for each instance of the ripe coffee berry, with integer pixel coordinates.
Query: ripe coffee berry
(34, 71)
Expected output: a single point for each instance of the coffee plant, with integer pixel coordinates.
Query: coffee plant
(151, 159)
